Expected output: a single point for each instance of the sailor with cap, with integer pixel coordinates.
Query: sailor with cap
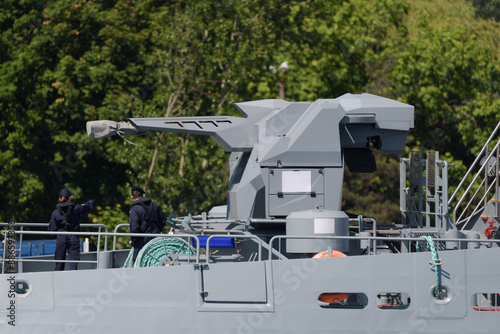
(145, 217)
(66, 217)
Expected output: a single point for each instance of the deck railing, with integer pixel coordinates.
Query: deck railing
(373, 243)
(20, 233)
(484, 168)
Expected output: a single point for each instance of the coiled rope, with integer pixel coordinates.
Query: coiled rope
(435, 263)
(157, 249)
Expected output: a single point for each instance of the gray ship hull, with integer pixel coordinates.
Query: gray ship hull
(278, 296)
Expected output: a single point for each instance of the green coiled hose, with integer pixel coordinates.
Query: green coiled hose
(157, 249)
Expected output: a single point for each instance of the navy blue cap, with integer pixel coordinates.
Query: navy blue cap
(136, 188)
(65, 193)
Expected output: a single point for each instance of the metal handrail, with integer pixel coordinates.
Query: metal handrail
(477, 207)
(481, 170)
(470, 201)
(115, 231)
(374, 239)
(101, 233)
(452, 197)
(24, 224)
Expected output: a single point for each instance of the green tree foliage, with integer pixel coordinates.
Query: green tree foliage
(63, 63)
(66, 62)
(487, 9)
(449, 70)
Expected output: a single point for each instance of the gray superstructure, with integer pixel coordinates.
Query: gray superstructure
(263, 263)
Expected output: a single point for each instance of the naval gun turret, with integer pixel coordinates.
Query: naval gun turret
(289, 156)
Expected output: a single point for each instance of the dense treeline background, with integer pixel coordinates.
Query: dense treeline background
(65, 62)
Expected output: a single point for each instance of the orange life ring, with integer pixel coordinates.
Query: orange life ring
(323, 254)
(333, 298)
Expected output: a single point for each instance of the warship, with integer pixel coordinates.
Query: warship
(281, 256)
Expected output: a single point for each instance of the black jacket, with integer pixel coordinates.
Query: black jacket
(72, 219)
(138, 214)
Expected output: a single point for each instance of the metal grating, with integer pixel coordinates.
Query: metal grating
(360, 160)
(430, 170)
(415, 157)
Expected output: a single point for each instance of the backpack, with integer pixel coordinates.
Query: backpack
(65, 215)
(148, 219)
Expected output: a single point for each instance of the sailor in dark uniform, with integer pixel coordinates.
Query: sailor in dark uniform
(145, 217)
(66, 217)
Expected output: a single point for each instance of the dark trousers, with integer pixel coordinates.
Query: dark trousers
(136, 252)
(138, 244)
(70, 243)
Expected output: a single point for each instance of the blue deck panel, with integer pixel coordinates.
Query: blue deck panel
(215, 242)
(36, 247)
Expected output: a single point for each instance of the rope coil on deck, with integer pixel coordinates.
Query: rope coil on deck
(435, 263)
(157, 249)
